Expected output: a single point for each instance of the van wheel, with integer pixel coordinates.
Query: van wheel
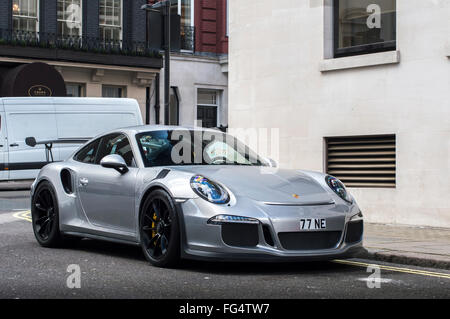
(45, 216)
(159, 230)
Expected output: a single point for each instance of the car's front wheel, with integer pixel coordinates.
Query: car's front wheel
(159, 230)
(44, 215)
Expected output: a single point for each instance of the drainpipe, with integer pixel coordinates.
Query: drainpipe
(157, 106)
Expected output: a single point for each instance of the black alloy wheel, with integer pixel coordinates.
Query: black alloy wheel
(44, 215)
(159, 230)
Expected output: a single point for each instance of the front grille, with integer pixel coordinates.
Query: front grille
(354, 232)
(309, 240)
(240, 235)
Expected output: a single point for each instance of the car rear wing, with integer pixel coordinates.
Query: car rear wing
(31, 141)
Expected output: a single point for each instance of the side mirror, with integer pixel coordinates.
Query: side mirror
(30, 141)
(114, 161)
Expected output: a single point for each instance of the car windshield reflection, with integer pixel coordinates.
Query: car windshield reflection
(190, 147)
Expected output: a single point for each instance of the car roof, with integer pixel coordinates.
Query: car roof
(149, 128)
(133, 130)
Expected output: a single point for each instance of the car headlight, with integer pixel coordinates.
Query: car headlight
(338, 187)
(209, 190)
(357, 217)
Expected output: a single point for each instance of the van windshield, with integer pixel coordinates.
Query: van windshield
(194, 147)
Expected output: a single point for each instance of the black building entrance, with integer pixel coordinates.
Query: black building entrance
(208, 115)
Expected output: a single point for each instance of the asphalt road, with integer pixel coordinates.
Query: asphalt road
(118, 271)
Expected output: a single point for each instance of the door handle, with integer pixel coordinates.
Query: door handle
(84, 181)
(14, 145)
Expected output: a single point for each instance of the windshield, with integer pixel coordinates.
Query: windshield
(190, 147)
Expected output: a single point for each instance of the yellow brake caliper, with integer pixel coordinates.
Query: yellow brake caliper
(153, 226)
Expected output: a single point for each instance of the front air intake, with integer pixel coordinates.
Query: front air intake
(354, 232)
(310, 240)
(240, 235)
(268, 235)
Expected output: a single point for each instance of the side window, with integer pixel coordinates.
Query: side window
(116, 144)
(87, 153)
(156, 148)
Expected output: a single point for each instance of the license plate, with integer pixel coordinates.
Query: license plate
(313, 224)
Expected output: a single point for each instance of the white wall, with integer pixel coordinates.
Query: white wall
(276, 54)
(190, 73)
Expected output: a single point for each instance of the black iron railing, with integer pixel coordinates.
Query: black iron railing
(75, 43)
(188, 38)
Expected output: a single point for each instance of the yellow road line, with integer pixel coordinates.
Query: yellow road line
(396, 269)
(24, 215)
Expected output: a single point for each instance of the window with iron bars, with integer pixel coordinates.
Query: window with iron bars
(111, 22)
(25, 14)
(69, 15)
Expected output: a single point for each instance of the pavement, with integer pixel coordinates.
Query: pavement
(409, 245)
(420, 246)
(109, 270)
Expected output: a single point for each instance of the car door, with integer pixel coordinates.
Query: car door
(107, 196)
(3, 149)
(24, 161)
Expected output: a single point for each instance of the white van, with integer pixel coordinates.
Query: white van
(52, 118)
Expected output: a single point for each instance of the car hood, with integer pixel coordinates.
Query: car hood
(272, 186)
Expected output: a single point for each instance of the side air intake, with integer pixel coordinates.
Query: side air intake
(66, 180)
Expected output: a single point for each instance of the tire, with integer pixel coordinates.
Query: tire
(45, 216)
(159, 230)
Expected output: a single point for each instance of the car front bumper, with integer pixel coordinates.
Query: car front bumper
(276, 238)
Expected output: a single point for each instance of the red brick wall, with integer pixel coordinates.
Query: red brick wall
(210, 25)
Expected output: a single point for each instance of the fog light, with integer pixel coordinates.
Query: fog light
(222, 219)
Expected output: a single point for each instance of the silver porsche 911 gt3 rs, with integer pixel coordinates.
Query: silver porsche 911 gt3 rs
(193, 193)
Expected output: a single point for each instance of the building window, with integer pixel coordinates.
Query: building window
(111, 22)
(364, 26)
(362, 161)
(113, 91)
(174, 107)
(25, 18)
(75, 90)
(207, 107)
(69, 18)
(185, 9)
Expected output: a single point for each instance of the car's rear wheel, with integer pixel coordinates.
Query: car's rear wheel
(159, 230)
(45, 217)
